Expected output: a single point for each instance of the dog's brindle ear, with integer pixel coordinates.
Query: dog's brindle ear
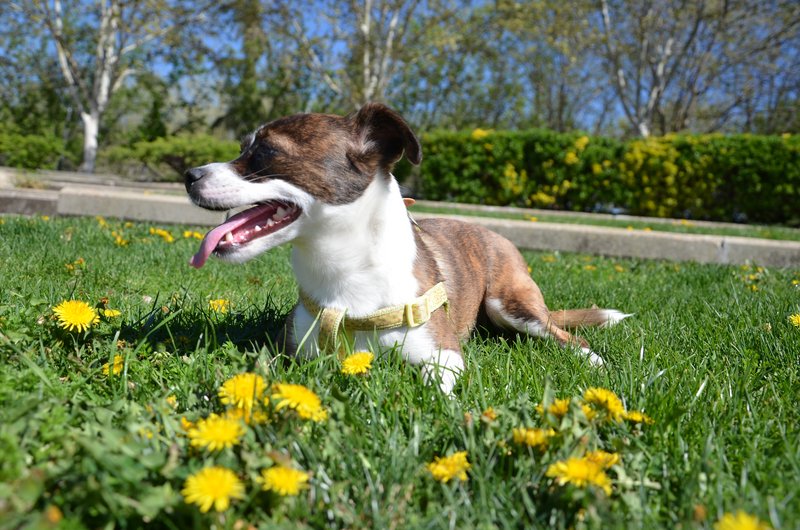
(382, 136)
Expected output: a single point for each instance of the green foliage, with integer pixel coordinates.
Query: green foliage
(175, 153)
(739, 177)
(30, 151)
(710, 356)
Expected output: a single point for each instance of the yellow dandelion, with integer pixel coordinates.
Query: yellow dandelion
(489, 415)
(172, 401)
(163, 234)
(216, 433)
(549, 258)
(604, 459)
(219, 305)
(101, 221)
(53, 514)
(558, 408)
(283, 480)
(619, 268)
(634, 416)
(75, 315)
(590, 267)
(116, 367)
(212, 486)
(795, 320)
(580, 472)
(532, 218)
(740, 521)
(242, 391)
(588, 411)
(532, 437)
(357, 363)
(111, 313)
(300, 399)
(605, 400)
(188, 234)
(186, 424)
(446, 468)
(255, 416)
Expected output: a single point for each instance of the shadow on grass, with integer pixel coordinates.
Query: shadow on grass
(184, 327)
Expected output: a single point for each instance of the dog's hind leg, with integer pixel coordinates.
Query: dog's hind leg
(517, 304)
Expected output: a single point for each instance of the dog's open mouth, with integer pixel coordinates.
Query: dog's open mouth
(258, 221)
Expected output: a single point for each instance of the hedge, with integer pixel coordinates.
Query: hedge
(30, 151)
(720, 177)
(177, 153)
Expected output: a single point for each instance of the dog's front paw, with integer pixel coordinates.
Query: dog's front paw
(443, 370)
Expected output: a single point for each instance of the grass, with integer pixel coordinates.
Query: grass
(710, 355)
(682, 226)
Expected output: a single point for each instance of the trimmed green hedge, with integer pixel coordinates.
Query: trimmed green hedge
(29, 151)
(178, 153)
(738, 177)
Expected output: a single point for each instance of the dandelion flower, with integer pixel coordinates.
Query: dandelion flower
(489, 415)
(283, 480)
(795, 320)
(357, 363)
(212, 486)
(299, 398)
(111, 313)
(447, 468)
(219, 305)
(242, 391)
(558, 408)
(532, 437)
(250, 417)
(580, 472)
(588, 411)
(116, 367)
(740, 521)
(75, 315)
(216, 433)
(604, 459)
(605, 400)
(635, 416)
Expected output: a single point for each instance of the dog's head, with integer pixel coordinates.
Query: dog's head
(288, 166)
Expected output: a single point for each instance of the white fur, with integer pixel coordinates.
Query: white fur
(342, 256)
(612, 316)
(499, 317)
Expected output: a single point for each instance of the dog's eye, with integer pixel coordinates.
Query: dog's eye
(261, 155)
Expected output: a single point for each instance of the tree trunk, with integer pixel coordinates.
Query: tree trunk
(91, 129)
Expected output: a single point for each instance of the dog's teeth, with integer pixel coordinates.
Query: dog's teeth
(280, 214)
(229, 237)
(257, 228)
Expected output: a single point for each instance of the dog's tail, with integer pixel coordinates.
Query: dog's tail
(573, 318)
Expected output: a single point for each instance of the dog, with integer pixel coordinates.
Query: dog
(324, 183)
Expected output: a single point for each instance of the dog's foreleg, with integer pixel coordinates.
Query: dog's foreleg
(443, 368)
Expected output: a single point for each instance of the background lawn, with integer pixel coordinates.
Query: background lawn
(711, 356)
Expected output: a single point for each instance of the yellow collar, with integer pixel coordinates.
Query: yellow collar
(332, 321)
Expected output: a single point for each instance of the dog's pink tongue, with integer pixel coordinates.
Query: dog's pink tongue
(213, 237)
(209, 243)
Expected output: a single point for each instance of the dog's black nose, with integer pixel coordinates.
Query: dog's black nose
(192, 175)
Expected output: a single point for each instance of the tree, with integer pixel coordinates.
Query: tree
(675, 65)
(98, 46)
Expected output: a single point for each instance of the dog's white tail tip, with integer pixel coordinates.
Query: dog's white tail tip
(612, 316)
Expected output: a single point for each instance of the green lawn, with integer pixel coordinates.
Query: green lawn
(681, 226)
(711, 356)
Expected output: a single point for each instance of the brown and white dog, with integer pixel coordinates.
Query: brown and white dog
(323, 182)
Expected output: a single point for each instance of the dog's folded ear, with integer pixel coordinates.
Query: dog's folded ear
(382, 136)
